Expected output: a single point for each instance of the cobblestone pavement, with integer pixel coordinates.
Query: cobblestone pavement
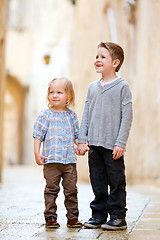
(22, 206)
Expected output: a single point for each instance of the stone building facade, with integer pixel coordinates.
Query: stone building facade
(132, 24)
(69, 31)
(3, 11)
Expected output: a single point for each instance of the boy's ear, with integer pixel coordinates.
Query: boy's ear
(116, 62)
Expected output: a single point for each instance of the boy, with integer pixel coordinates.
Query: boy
(105, 126)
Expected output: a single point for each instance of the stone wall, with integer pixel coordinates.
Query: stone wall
(144, 145)
(3, 9)
(135, 28)
(70, 34)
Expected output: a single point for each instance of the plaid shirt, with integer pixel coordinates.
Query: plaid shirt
(57, 131)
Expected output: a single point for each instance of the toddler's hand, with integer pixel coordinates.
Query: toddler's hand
(40, 159)
(82, 148)
(118, 152)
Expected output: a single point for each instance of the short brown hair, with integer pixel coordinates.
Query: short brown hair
(115, 51)
(68, 88)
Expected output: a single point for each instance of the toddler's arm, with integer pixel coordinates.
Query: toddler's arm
(76, 141)
(38, 157)
(118, 152)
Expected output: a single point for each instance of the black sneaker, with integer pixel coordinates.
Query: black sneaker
(94, 223)
(115, 224)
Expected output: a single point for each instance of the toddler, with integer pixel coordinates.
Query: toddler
(57, 127)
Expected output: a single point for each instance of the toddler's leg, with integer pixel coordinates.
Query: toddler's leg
(52, 174)
(70, 191)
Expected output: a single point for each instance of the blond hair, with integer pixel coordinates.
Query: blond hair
(115, 51)
(68, 88)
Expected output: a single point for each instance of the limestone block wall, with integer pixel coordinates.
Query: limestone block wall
(70, 34)
(135, 28)
(144, 145)
(3, 8)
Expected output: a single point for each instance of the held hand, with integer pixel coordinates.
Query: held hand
(118, 152)
(40, 159)
(82, 148)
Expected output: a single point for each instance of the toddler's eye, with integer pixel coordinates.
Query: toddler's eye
(97, 57)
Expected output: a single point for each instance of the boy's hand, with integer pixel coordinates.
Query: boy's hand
(118, 152)
(40, 159)
(82, 148)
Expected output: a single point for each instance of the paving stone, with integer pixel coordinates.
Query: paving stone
(22, 206)
(145, 235)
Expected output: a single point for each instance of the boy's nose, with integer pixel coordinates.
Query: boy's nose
(98, 59)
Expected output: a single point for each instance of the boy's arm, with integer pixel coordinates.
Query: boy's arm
(38, 157)
(126, 118)
(118, 152)
(83, 131)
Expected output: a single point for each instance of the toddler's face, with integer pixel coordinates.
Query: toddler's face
(57, 96)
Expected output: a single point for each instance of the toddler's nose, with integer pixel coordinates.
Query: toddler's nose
(54, 95)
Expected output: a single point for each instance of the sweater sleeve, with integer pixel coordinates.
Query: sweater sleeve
(75, 125)
(126, 117)
(83, 132)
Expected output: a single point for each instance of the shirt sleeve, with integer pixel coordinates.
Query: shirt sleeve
(40, 126)
(126, 119)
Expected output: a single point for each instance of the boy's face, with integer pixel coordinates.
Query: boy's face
(103, 63)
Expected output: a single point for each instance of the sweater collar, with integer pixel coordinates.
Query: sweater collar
(110, 85)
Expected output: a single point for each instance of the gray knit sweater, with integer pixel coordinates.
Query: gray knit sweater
(107, 115)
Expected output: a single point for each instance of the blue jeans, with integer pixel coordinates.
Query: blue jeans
(108, 182)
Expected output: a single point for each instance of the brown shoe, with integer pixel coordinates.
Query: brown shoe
(74, 223)
(51, 222)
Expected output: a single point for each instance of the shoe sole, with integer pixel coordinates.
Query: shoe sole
(74, 226)
(113, 228)
(88, 225)
(53, 226)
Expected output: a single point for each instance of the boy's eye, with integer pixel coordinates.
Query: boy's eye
(97, 57)
(103, 56)
(59, 92)
(51, 92)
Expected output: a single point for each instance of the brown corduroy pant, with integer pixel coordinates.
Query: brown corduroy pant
(53, 173)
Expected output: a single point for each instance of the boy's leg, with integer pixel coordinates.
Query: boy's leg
(116, 203)
(70, 191)
(99, 184)
(52, 175)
